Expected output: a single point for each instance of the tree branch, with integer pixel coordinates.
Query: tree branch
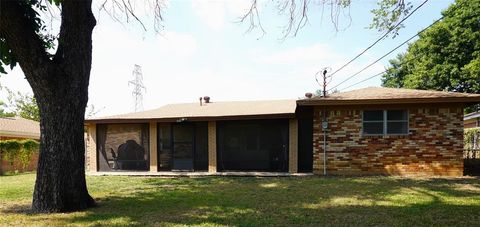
(127, 9)
(74, 53)
(19, 33)
(296, 12)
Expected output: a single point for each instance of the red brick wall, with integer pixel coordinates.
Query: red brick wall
(471, 123)
(434, 145)
(7, 167)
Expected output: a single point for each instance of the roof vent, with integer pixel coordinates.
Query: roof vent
(308, 95)
(207, 99)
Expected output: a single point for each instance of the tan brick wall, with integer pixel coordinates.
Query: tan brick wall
(153, 147)
(434, 145)
(293, 146)
(91, 148)
(120, 133)
(212, 146)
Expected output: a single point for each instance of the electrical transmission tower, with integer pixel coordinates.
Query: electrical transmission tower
(138, 87)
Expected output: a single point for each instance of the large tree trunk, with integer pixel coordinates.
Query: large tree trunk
(60, 86)
(60, 184)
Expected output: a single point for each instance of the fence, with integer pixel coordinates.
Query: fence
(471, 153)
(471, 162)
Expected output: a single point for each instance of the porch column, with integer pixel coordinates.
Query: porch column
(293, 146)
(153, 147)
(91, 147)
(212, 146)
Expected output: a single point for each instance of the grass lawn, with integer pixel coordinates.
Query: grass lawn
(239, 201)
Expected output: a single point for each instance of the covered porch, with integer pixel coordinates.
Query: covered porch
(190, 140)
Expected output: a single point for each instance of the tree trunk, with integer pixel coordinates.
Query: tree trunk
(60, 184)
(60, 86)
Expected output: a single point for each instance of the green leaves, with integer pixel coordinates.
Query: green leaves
(23, 105)
(6, 56)
(445, 57)
(388, 13)
(31, 9)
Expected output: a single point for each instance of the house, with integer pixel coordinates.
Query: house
(471, 120)
(18, 128)
(366, 131)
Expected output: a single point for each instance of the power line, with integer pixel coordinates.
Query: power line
(379, 39)
(378, 74)
(391, 51)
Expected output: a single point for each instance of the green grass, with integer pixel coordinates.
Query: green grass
(248, 201)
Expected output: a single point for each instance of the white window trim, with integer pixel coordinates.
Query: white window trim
(385, 123)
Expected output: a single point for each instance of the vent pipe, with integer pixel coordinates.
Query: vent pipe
(207, 99)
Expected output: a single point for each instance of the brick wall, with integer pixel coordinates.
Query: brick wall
(6, 166)
(118, 134)
(471, 123)
(434, 145)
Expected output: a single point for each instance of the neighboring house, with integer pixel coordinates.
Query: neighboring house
(368, 131)
(19, 128)
(471, 120)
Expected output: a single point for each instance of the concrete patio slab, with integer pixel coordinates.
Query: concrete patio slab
(198, 174)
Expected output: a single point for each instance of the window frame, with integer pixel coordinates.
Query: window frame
(385, 122)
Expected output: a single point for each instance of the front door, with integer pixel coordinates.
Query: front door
(183, 146)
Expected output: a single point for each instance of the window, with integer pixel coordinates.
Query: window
(385, 122)
(373, 123)
(397, 121)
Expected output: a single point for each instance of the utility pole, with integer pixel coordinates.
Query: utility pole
(138, 87)
(325, 118)
(324, 83)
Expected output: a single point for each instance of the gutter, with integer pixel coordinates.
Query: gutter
(28, 135)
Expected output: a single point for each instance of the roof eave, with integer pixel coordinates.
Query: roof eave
(338, 102)
(186, 118)
(16, 134)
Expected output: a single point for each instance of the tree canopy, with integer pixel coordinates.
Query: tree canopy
(445, 57)
(23, 105)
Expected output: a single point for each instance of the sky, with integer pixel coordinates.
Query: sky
(203, 50)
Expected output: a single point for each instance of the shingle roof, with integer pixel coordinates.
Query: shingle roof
(19, 127)
(213, 110)
(382, 95)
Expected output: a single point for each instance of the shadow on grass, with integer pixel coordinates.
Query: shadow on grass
(289, 201)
